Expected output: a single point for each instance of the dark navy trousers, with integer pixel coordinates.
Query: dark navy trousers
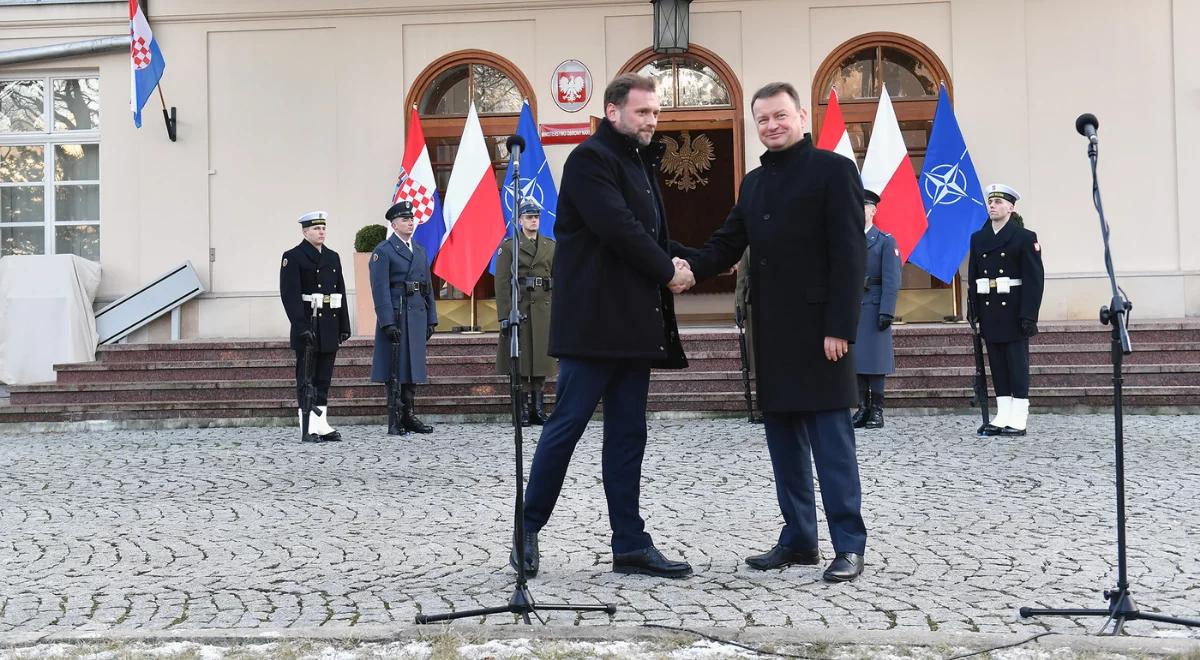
(1010, 367)
(828, 438)
(582, 383)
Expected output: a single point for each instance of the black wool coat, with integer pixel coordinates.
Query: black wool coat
(1014, 253)
(305, 270)
(613, 256)
(801, 214)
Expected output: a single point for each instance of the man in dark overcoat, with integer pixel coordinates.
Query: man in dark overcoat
(801, 214)
(312, 269)
(614, 319)
(405, 314)
(874, 355)
(535, 257)
(1006, 277)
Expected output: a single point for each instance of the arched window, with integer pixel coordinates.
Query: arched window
(684, 82)
(858, 69)
(443, 94)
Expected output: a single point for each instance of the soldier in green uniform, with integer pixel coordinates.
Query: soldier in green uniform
(535, 258)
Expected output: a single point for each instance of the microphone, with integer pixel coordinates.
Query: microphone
(516, 144)
(1087, 124)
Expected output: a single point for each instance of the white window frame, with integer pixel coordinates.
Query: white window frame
(48, 140)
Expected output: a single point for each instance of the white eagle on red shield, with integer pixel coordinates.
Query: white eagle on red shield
(570, 87)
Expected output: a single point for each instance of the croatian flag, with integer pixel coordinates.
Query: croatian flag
(888, 172)
(833, 130)
(417, 186)
(952, 195)
(536, 184)
(474, 219)
(146, 61)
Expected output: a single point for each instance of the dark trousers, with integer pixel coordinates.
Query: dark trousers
(322, 374)
(872, 382)
(1010, 368)
(623, 385)
(829, 438)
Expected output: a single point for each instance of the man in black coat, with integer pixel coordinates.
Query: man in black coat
(1006, 278)
(312, 270)
(613, 320)
(801, 214)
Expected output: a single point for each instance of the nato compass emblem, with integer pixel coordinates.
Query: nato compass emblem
(946, 184)
(531, 190)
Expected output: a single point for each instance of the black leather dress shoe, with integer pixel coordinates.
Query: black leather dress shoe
(989, 429)
(1011, 432)
(649, 561)
(532, 556)
(781, 556)
(844, 568)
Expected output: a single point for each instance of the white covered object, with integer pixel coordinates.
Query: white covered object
(46, 315)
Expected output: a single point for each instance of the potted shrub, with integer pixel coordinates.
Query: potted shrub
(364, 243)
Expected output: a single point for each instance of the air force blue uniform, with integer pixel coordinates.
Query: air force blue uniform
(394, 271)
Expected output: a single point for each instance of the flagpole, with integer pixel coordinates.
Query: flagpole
(168, 117)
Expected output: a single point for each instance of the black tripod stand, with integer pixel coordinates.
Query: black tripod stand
(521, 602)
(1121, 607)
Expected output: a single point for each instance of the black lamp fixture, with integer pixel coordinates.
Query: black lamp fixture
(671, 18)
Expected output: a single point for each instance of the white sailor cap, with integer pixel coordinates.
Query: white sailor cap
(1002, 191)
(312, 219)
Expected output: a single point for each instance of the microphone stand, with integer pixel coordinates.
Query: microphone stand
(1121, 607)
(521, 601)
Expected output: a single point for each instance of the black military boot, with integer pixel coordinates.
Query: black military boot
(875, 415)
(538, 415)
(859, 419)
(394, 425)
(526, 404)
(408, 396)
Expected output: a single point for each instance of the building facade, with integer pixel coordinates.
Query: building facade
(289, 107)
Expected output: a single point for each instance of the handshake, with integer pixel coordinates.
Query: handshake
(683, 279)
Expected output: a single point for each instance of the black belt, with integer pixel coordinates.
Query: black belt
(413, 288)
(872, 281)
(532, 283)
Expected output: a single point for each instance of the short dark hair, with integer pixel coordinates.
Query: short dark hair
(771, 89)
(617, 91)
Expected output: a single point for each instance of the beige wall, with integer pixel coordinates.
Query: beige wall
(282, 112)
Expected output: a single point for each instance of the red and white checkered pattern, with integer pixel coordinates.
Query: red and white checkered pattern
(418, 195)
(140, 50)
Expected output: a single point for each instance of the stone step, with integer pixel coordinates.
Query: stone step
(1089, 332)
(1083, 354)
(267, 369)
(270, 411)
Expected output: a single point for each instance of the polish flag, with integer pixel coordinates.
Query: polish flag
(888, 172)
(474, 219)
(833, 130)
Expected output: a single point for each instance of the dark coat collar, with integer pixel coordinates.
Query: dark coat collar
(785, 156)
(991, 241)
(398, 245)
(609, 136)
(873, 235)
(311, 252)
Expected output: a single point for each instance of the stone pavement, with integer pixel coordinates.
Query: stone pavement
(126, 531)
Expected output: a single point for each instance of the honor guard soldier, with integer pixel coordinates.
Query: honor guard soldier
(874, 356)
(402, 292)
(535, 258)
(314, 295)
(1006, 278)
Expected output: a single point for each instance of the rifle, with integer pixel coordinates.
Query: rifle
(307, 391)
(740, 321)
(394, 427)
(980, 384)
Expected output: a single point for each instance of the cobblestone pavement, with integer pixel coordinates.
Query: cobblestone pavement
(247, 528)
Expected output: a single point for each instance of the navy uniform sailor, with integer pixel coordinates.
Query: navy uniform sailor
(307, 270)
(874, 356)
(1006, 279)
(402, 291)
(535, 259)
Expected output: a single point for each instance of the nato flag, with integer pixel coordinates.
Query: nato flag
(952, 197)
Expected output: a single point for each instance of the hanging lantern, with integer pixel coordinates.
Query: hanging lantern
(671, 31)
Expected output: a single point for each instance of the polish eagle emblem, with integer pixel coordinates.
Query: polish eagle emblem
(684, 162)
(570, 87)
